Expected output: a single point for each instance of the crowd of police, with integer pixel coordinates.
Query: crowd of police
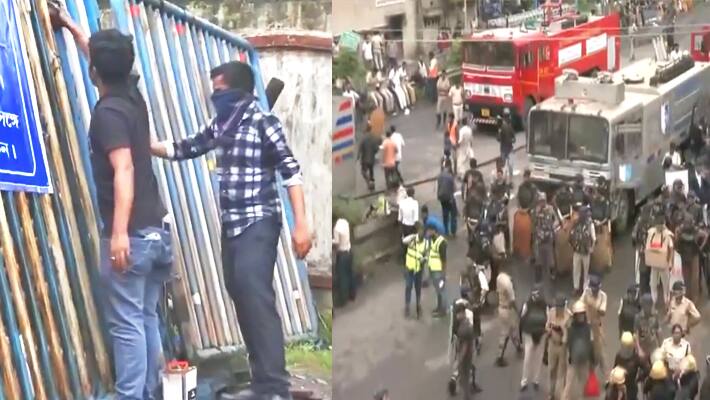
(567, 333)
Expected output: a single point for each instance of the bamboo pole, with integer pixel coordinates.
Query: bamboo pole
(100, 351)
(62, 192)
(10, 384)
(18, 297)
(40, 284)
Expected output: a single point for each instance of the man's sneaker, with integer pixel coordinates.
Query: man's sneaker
(500, 362)
(452, 387)
(536, 387)
(524, 387)
(419, 312)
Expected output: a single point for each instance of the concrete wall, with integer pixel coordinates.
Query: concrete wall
(302, 60)
(349, 15)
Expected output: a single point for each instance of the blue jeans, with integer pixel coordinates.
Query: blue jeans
(248, 261)
(130, 305)
(412, 280)
(449, 213)
(437, 277)
(506, 155)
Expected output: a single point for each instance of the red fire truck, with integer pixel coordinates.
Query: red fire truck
(515, 68)
(700, 44)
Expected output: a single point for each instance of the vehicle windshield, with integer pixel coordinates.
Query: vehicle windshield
(571, 137)
(495, 56)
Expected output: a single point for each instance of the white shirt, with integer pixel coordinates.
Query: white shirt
(367, 51)
(341, 235)
(674, 354)
(408, 211)
(675, 55)
(352, 94)
(398, 140)
(466, 137)
(676, 160)
(700, 180)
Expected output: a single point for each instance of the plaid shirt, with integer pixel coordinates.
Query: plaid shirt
(249, 152)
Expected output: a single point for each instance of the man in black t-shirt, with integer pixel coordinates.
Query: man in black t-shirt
(136, 255)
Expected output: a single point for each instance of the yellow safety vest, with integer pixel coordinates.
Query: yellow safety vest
(415, 252)
(435, 264)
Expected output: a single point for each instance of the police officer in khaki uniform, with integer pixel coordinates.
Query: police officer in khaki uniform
(557, 321)
(595, 303)
(507, 317)
(682, 310)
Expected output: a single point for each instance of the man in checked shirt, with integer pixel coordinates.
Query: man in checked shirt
(251, 147)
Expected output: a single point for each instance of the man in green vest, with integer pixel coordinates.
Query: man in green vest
(415, 260)
(437, 267)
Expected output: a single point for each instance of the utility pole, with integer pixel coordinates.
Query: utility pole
(466, 22)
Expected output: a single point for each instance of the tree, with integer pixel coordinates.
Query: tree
(347, 65)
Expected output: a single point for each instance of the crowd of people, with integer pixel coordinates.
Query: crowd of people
(567, 333)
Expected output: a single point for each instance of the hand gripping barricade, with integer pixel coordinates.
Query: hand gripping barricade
(65, 353)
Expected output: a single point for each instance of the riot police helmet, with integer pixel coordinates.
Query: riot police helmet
(579, 307)
(658, 370)
(617, 376)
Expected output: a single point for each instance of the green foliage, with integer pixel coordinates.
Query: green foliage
(308, 357)
(347, 65)
(352, 210)
(455, 57)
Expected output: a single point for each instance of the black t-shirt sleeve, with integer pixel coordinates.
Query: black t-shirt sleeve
(112, 129)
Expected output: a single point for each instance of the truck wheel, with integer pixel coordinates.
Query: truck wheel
(623, 215)
(529, 104)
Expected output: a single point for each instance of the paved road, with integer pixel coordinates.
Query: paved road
(424, 143)
(376, 347)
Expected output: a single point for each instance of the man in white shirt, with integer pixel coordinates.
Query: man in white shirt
(398, 140)
(456, 95)
(408, 214)
(367, 52)
(672, 158)
(464, 151)
(675, 53)
(343, 276)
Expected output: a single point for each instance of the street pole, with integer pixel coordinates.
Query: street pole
(466, 22)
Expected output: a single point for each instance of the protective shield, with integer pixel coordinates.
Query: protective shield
(522, 234)
(602, 255)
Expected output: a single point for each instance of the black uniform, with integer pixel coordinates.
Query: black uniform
(631, 363)
(563, 200)
(630, 307)
(527, 193)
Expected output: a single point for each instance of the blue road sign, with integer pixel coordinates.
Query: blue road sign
(23, 165)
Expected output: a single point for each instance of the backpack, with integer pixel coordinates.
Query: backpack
(581, 238)
(656, 249)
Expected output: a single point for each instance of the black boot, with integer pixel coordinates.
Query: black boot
(500, 362)
(419, 311)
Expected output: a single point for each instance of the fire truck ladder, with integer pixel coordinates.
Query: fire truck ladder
(515, 20)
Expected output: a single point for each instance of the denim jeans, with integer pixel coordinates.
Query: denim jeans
(248, 261)
(413, 280)
(437, 278)
(449, 213)
(130, 305)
